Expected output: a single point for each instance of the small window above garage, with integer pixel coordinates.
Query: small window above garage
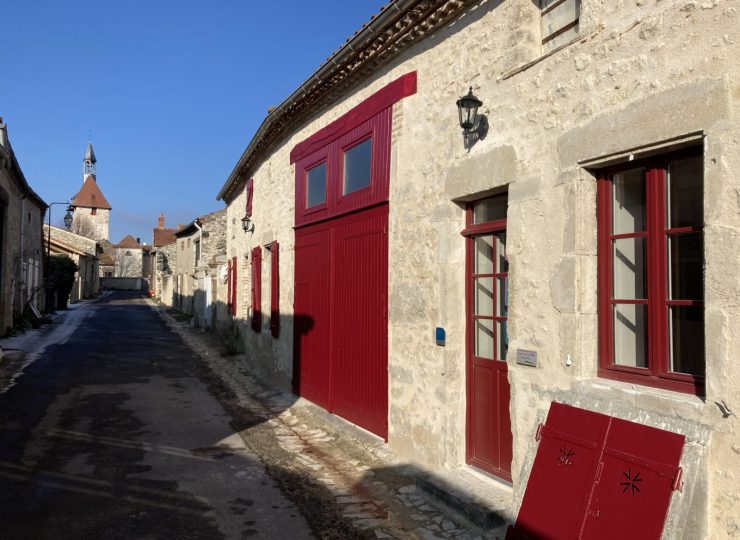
(559, 22)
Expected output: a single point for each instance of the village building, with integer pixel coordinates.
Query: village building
(507, 228)
(163, 255)
(128, 258)
(85, 253)
(200, 253)
(21, 257)
(91, 208)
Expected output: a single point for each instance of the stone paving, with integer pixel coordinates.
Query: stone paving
(371, 487)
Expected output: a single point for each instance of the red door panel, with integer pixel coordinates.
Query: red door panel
(598, 478)
(633, 491)
(341, 334)
(360, 374)
(489, 439)
(562, 474)
(312, 324)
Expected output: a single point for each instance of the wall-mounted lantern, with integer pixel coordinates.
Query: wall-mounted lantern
(247, 224)
(68, 217)
(474, 125)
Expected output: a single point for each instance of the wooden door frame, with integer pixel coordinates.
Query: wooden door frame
(470, 232)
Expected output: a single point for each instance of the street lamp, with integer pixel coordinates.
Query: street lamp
(67, 224)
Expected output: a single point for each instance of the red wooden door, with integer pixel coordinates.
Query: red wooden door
(341, 330)
(489, 440)
(596, 477)
(312, 323)
(360, 344)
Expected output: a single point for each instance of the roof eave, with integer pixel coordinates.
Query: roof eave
(389, 14)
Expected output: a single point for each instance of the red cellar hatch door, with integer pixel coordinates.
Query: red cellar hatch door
(596, 477)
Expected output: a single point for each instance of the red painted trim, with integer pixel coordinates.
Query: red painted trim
(257, 289)
(657, 373)
(274, 291)
(233, 286)
(228, 285)
(402, 87)
(250, 194)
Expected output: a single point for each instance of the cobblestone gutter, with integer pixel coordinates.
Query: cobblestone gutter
(363, 490)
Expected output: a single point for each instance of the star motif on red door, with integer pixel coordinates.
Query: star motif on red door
(565, 455)
(631, 483)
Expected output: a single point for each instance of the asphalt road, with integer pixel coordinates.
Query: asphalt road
(114, 431)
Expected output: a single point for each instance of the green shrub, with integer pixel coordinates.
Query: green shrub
(61, 278)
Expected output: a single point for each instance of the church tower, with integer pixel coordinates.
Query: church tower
(91, 209)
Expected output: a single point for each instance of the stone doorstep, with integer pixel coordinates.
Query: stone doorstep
(480, 500)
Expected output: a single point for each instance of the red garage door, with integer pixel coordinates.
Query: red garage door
(340, 308)
(341, 260)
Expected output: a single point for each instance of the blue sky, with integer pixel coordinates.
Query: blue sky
(172, 92)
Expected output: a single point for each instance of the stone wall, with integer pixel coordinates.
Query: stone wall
(84, 220)
(21, 256)
(643, 76)
(128, 262)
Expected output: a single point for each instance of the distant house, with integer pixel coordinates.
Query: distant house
(163, 255)
(106, 265)
(128, 259)
(21, 217)
(85, 253)
(200, 253)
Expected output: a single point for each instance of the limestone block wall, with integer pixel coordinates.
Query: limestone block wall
(100, 221)
(128, 262)
(642, 76)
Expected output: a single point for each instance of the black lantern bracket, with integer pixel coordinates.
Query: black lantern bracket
(473, 123)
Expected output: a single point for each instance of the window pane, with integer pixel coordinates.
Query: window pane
(502, 265)
(628, 202)
(687, 339)
(490, 209)
(483, 293)
(502, 298)
(503, 341)
(629, 268)
(686, 267)
(630, 343)
(484, 255)
(484, 339)
(684, 197)
(316, 185)
(357, 167)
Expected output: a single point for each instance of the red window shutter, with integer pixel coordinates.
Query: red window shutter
(233, 286)
(274, 291)
(250, 193)
(257, 289)
(228, 285)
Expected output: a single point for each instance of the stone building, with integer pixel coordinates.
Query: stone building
(85, 253)
(163, 255)
(200, 253)
(577, 244)
(21, 258)
(128, 258)
(91, 208)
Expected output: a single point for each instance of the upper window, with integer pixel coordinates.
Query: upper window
(316, 185)
(94, 212)
(357, 167)
(651, 267)
(559, 22)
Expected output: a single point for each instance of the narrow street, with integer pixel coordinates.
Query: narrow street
(122, 423)
(115, 433)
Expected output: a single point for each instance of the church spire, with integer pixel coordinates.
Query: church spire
(88, 162)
